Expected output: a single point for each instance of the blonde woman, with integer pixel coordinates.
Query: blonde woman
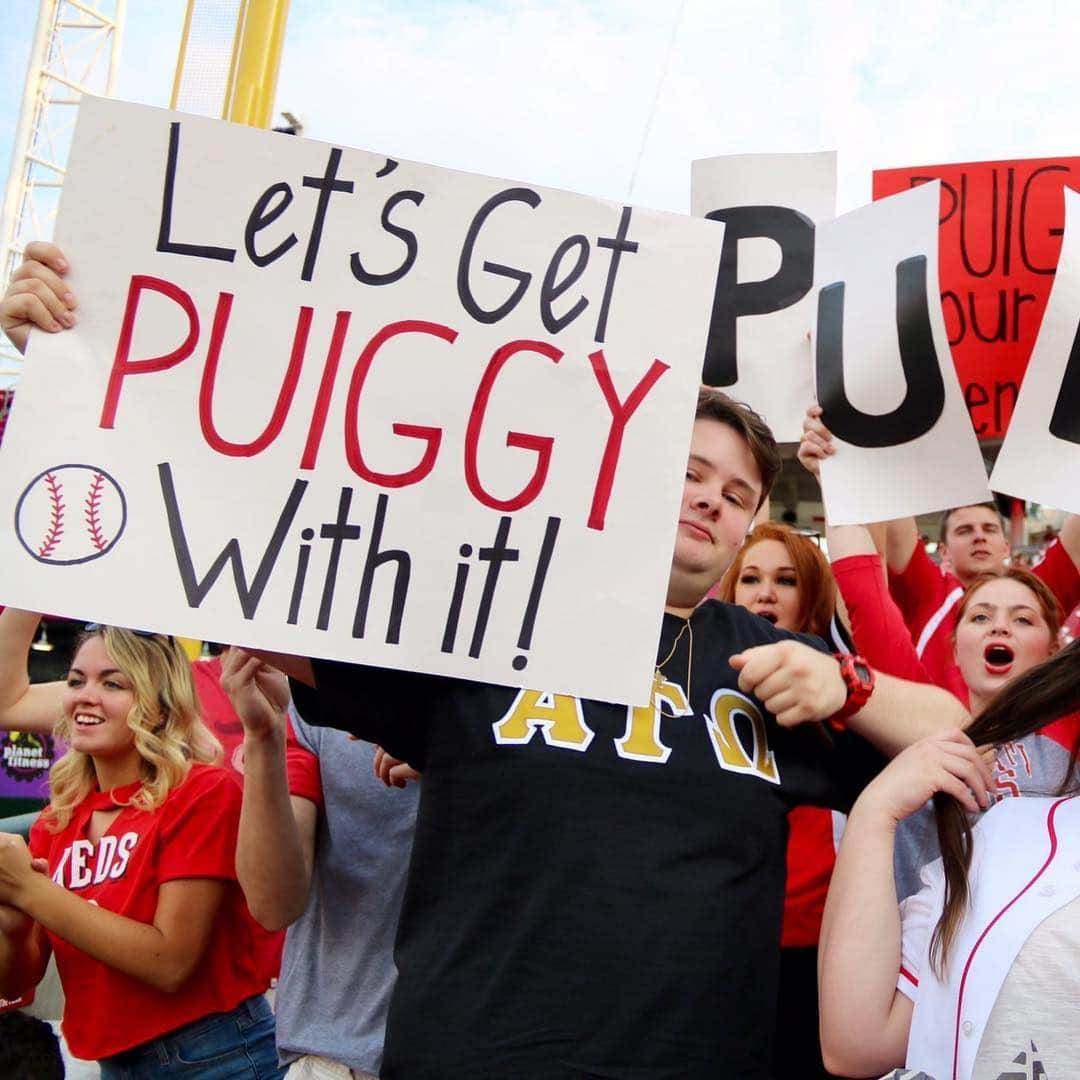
(129, 875)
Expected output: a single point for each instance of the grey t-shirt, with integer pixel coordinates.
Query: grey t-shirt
(337, 970)
(1034, 765)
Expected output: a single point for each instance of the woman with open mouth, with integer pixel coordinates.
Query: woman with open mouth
(1007, 624)
(129, 878)
(974, 976)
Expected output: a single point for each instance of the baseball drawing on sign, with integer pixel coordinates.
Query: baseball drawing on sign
(70, 514)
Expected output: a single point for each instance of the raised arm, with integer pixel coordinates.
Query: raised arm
(896, 538)
(877, 624)
(901, 539)
(23, 707)
(1070, 538)
(276, 846)
(865, 1020)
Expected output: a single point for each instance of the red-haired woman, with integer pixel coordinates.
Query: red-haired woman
(784, 577)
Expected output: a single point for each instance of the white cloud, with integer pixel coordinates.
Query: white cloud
(558, 91)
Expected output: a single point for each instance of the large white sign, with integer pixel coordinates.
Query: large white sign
(329, 403)
(1040, 458)
(764, 302)
(884, 375)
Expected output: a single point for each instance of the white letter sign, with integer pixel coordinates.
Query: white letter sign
(885, 379)
(1040, 458)
(334, 404)
(764, 301)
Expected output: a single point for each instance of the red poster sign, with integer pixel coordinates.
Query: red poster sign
(1001, 227)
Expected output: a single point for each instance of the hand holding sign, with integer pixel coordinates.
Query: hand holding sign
(37, 295)
(816, 443)
(354, 407)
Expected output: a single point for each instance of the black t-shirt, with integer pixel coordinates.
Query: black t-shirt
(594, 891)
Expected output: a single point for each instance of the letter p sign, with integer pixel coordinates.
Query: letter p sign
(793, 233)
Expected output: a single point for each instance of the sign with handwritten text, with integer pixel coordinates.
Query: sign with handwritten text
(330, 403)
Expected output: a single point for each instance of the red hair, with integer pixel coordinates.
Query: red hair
(817, 586)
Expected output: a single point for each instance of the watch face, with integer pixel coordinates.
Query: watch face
(862, 672)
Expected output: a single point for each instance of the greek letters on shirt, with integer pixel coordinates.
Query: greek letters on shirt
(560, 720)
(80, 865)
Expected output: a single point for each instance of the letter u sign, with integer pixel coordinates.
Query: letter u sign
(924, 397)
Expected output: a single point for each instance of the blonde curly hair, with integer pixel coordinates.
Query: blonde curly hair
(165, 719)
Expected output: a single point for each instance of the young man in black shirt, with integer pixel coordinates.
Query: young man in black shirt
(596, 890)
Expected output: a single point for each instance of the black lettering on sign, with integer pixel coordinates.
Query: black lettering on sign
(793, 233)
(271, 204)
(165, 241)
(924, 396)
(248, 594)
(1025, 254)
(406, 236)
(522, 277)
(1065, 422)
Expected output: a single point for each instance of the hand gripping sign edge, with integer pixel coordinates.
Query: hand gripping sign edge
(93, 538)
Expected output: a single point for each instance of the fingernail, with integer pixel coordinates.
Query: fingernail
(69, 299)
(67, 319)
(61, 264)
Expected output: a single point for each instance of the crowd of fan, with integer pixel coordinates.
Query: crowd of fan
(577, 889)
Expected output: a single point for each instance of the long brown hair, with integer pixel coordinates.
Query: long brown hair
(1030, 702)
(817, 586)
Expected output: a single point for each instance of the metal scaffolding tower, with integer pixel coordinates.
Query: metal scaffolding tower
(76, 51)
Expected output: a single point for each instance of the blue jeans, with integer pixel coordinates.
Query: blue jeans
(221, 1046)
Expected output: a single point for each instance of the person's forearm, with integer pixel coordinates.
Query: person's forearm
(901, 536)
(17, 629)
(23, 707)
(1070, 539)
(859, 953)
(23, 958)
(135, 948)
(847, 540)
(900, 713)
(272, 865)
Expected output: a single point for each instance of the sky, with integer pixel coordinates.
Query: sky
(615, 99)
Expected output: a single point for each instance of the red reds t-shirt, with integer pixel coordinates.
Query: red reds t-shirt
(929, 600)
(191, 835)
(221, 718)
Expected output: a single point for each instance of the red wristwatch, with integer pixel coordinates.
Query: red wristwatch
(859, 679)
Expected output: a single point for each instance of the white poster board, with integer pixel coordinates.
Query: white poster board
(1040, 457)
(327, 403)
(758, 350)
(884, 374)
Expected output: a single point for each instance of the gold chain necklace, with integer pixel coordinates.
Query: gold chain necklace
(687, 628)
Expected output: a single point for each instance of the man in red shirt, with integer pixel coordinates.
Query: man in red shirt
(973, 541)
